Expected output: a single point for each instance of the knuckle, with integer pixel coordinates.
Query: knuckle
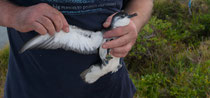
(53, 16)
(59, 13)
(29, 20)
(116, 55)
(43, 5)
(118, 31)
(115, 50)
(23, 29)
(114, 43)
(51, 31)
(55, 19)
(58, 26)
(65, 25)
(120, 55)
(129, 47)
(124, 55)
(44, 20)
(125, 50)
(35, 26)
(135, 34)
(121, 50)
(56, 14)
(42, 32)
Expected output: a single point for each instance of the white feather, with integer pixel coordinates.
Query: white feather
(121, 22)
(97, 71)
(78, 40)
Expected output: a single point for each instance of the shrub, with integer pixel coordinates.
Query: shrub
(4, 55)
(173, 46)
(186, 75)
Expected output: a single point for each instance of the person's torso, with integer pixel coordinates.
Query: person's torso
(40, 73)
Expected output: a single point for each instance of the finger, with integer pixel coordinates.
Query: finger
(123, 49)
(108, 21)
(56, 18)
(48, 24)
(39, 28)
(65, 27)
(118, 42)
(119, 55)
(57, 22)
(116, 32)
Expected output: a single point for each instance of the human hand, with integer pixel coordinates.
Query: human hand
(41, 18)
(121, 46)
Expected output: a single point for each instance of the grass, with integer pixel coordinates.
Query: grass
(189, 77)
(4, 55)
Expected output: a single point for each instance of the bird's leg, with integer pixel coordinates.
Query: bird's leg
(108, 56)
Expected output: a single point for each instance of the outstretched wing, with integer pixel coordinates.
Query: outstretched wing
(40, 41)
(68, 41)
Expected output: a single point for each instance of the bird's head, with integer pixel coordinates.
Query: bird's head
(121, 19)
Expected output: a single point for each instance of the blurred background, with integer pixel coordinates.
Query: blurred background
(171, 57)
(3, 37)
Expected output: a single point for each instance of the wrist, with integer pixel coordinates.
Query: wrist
(12, 19)
(138, 22)
(8, 13)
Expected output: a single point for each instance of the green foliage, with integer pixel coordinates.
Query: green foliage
(193, 27)
(4, 55)
(187, 75)
(172, 52)
(151, 86)
(169, 8)
(191, 78)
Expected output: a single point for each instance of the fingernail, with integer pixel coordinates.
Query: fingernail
(58, 30)
(52, 34)
(106, 23)
(66, 29)
(104, 46)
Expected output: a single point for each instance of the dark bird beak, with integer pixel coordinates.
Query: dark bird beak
(132, 15)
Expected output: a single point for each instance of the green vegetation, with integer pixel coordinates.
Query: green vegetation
(171, 57)
(4, 55)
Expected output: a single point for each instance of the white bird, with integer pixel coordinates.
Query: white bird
(84, 42)
(109, 62)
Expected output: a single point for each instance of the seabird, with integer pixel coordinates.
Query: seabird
(84, 42)
(109, 63)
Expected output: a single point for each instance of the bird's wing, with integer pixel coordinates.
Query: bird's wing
(40, 41)
(66, 41)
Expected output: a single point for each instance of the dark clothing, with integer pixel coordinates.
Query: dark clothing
(43, 73)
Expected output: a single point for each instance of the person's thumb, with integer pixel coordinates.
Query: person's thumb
(108, 21)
